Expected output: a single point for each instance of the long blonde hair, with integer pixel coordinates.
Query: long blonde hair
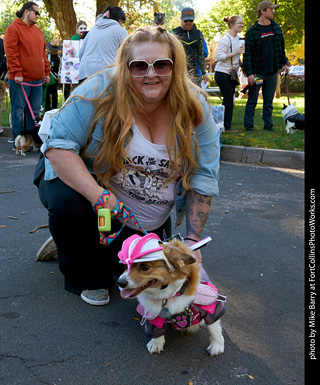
(115, 106)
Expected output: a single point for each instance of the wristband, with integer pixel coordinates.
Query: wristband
(100, 204)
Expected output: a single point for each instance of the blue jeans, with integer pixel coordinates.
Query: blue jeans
(19, 105)
(268, 89)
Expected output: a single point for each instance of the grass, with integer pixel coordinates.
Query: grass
(259, 137)
(256, 138)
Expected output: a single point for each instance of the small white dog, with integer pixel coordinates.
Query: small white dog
(166, 280)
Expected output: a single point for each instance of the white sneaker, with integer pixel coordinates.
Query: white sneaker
(96, 297)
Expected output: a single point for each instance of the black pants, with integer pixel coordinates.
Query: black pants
(84, 262)
(227, 91)
(52, 97)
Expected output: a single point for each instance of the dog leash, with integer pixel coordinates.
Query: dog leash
(287, 87)
(28, 103)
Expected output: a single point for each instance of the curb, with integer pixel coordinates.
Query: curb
(263, 156)
(250, 155)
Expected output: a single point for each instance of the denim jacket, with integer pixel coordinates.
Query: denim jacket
(69, 131)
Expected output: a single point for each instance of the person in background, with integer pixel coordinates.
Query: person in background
(28, 66)
(192, 41)
(3, 71)
(80, 29)
(264, 57)
(158, 19)
(54, 60)
(228, 56)
(137, 139)
(101, 44)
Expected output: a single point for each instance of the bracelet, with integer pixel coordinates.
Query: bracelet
(190, 239)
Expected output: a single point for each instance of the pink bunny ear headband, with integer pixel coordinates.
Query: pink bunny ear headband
(142, 249)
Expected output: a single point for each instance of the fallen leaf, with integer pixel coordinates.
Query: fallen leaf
(251, 378)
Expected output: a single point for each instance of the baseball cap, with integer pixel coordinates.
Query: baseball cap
(266, 4)
(187, 14)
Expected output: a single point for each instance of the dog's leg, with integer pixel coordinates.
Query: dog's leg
(216, 339)
(156, 345)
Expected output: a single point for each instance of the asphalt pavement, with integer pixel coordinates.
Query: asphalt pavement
(256, 259)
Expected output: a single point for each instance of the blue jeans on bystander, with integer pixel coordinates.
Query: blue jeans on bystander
(19, 105)
(268, 89)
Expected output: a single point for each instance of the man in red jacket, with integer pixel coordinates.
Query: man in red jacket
(27, 64)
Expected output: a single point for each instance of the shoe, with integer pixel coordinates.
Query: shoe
(249, 129)
(47, 250)
(268, 129)
(1, 130)
(96, 297)
(11, 140)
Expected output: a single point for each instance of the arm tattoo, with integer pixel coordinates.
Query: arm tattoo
(198, 209)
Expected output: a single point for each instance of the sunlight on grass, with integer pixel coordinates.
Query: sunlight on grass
(259, 137)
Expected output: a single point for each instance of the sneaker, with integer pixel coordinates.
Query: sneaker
(96, 297)
(11, 140)
(1, 130)
(47, 250)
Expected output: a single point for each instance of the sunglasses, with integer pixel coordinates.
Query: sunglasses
(188, 21)
(35, 12)
(140, 68)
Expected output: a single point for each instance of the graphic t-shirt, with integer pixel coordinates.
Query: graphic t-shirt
(143, 185)
(267, 63)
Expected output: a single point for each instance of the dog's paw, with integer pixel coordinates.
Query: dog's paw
(156, 345)
(215, 348)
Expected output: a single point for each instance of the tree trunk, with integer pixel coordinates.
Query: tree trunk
(63, 14)
(102, 4)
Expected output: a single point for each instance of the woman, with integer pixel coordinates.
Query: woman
(140, 136)
(228, 55)
(80, 29)
(101, 45)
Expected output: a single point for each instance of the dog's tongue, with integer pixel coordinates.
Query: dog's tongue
(127, 293)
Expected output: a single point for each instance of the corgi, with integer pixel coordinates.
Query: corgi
(23, 142)
(172, 290)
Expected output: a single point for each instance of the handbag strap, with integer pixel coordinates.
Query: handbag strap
(230, 50)
(287, 87)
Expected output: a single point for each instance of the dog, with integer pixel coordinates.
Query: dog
(293, 119)
(165, 278)
(27, 138)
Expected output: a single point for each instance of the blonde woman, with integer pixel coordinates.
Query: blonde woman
(138, 136)
(227, 56)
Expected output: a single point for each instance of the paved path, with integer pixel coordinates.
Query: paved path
(49, 336)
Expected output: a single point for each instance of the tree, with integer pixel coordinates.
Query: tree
(290, 16)
(63, 14)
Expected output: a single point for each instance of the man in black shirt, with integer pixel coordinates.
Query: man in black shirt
(192, 41)
(264, 56)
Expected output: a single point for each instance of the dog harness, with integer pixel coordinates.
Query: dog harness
(208, 305)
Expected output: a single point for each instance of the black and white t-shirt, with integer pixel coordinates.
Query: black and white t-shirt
(144, 182)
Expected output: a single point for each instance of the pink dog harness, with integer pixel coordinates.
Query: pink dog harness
(208, 305)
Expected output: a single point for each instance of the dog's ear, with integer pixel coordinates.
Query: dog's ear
(177, 256)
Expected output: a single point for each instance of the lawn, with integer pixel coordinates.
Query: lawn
(256, 138)
(259, 137)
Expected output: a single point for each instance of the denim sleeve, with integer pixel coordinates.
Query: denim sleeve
(205, 180)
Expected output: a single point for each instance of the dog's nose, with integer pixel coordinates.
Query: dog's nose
(122, 281)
